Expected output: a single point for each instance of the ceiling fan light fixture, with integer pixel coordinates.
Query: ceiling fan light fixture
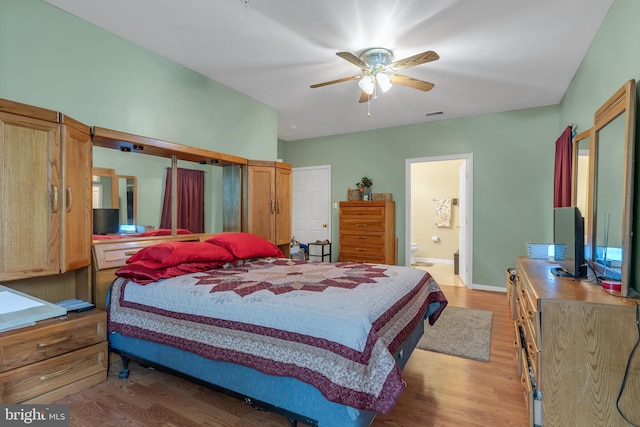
(384, 81)
(367, 84)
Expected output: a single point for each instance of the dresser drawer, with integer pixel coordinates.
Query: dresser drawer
(352, 238)
(362, 250)
(38, 378)
(361, 258)
(517, 343)
(362, 224)
(376, 212)
(527, 390)
(51, 337)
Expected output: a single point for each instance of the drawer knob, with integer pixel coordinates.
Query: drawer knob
(361, 225)
(361, 250)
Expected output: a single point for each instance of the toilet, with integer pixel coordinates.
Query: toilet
(414, 248)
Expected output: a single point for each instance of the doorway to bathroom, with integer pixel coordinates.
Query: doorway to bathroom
(439, 232)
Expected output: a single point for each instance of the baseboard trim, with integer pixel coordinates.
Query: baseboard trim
(489, 288)
(435, 260)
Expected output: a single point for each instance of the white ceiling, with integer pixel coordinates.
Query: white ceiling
(495, 55)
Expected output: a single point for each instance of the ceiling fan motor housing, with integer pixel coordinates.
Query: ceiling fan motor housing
(377, 57)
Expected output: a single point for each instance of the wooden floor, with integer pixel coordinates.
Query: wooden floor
(441, 390)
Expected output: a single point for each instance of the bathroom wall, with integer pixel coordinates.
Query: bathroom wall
(429, 181)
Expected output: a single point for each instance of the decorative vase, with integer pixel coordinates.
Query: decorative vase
(367, 194)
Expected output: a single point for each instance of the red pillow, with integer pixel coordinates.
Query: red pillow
(173, 253)
(246, 245)
(144, 275)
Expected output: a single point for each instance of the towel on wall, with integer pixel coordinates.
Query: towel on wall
(443, 212)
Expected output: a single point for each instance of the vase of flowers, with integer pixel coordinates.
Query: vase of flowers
(364, 185)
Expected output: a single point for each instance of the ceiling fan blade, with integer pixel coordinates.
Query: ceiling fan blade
(348, 56)
(364, 97)
(345, 79)
(411, 82)
(414, 60)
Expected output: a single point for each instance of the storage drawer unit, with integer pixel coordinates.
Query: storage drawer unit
(572, 344)
(367, 232)
(53, 358)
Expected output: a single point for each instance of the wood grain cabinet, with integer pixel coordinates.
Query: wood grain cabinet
(53, 358)
(268, 201)
(572, 343)
(45, 209)
(367, 232)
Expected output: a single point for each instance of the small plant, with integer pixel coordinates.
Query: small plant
(364, 183)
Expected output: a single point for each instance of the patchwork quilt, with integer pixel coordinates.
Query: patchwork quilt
(335, 326)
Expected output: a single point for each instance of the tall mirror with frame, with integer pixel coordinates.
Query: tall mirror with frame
(581, 192)
(612, 166)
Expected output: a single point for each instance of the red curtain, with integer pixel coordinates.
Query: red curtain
(190, 201)
(562, 171)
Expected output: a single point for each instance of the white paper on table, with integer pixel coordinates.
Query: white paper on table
(10, 302)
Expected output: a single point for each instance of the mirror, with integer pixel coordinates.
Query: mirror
(105, 191)
(580, 196)
(146, 174)
(115, 191)
(146, 161)
(611, 163)
(127, 198)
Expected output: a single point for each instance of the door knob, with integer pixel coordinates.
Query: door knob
(324, 225)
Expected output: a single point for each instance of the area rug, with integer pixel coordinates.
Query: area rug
(462, 332)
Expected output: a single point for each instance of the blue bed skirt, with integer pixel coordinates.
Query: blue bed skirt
(285, 394)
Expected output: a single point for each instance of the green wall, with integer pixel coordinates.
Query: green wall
(54, 60)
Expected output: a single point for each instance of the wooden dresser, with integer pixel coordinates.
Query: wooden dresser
(368, 232)
(572, 341)
(53, 358)
(110, 255)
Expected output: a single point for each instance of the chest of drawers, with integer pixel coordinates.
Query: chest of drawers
(572, 343)
(53, 358)
(367, 232)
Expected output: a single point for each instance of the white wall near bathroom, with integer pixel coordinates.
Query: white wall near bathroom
(429, 181)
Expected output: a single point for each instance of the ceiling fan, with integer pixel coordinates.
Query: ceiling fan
(377, 67)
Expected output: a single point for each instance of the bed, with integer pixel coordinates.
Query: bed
(321, 343)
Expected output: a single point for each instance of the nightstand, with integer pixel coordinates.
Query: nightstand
(54, 358)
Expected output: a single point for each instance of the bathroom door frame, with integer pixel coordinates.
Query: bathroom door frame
(466, 202)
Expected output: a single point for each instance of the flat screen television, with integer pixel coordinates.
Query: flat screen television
(568, 240)
(106, 220)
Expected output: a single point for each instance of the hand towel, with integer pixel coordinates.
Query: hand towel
(443, 212)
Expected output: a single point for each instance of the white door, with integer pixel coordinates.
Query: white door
(311, 216)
